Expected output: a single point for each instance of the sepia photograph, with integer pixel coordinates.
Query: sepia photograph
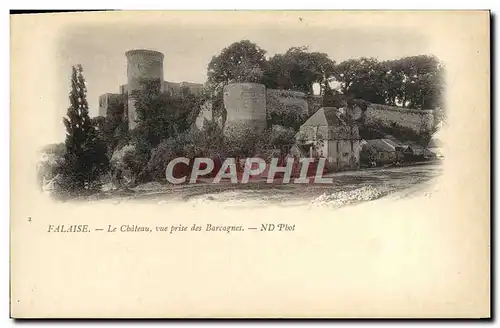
(210, 117)
(250, 164)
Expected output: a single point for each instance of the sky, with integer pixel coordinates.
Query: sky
(100, 49)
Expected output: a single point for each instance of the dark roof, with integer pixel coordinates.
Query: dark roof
(382, 145)
(393, 142)
(415, 145)
(326, 116)
(303, 149)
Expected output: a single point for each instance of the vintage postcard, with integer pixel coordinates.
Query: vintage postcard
(250, 164)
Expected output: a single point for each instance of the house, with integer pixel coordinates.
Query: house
(420, 151)
(410, 150)
(402, 149)
(381, 151)
(330, 134)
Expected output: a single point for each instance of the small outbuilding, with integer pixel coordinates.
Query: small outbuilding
(381, 151)
(331, 134)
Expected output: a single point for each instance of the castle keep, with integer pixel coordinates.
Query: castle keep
(142, 64)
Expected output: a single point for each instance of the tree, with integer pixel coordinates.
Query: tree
(242, 61)
(128, 165)
(161, 115)
(425, 81)
(251, 143)
(332, 98)
(85, 157)
(362, 78)
(210, 139)
(411, 82)
(280, 136)
(290, 117)
(114, 128)
(190, 144)
(298, 69)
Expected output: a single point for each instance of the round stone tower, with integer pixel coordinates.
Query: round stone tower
(245, 105)
(141, 65)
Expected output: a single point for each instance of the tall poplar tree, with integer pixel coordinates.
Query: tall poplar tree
(85, 159)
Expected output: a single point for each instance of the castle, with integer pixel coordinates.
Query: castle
(142, 64)
(248, 105)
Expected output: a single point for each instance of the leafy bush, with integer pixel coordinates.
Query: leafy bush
(129, 163)
(290, 117)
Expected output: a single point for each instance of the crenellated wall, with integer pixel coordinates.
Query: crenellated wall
(106, 100)
(286, 100)
(416, 119)
(173, 87)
